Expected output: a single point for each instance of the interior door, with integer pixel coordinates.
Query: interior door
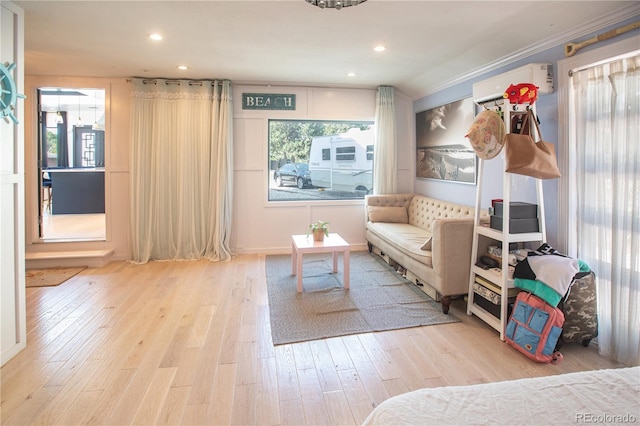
(12, 240)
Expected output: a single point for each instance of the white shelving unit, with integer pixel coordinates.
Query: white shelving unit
(484, 236)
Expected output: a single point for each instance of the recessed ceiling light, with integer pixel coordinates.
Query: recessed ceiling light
(155, 36)
(380, 48)
(183, 67)
(351, 74)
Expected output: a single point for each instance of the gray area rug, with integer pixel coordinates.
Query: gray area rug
(378, 299)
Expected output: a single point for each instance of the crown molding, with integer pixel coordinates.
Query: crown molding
(613, 18)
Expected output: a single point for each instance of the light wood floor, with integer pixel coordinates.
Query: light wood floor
(88, 226)
(190, 343)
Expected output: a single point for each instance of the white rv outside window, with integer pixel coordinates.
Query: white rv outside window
(333, 160)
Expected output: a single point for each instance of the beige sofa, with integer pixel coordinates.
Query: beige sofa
(398, 228)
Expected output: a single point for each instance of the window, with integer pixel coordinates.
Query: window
(320, 160)
(603, 154)
(369, 152)
(50, 154)
(346, 153)
(601, 190)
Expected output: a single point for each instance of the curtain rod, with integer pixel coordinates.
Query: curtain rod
(176, 81)
(604, 62)
(570, 49)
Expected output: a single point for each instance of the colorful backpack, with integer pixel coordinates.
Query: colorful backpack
(534, 328)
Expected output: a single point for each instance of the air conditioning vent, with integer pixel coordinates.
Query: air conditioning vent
(493, 87)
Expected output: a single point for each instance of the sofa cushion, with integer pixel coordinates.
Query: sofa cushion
(427, 244)
(405, 238)
(389, 214)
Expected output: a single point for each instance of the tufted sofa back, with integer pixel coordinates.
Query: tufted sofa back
(389, 200)
(424, 210)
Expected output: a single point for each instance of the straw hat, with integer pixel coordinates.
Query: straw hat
(487, 134)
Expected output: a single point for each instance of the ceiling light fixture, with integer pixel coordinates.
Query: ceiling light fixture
(96, 125)
(155, 36)
(183, 67)
(59, 118)
(79, 116)
(351, 74)
(380, 48)
(335, 4)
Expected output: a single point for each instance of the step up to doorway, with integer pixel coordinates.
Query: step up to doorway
(89, 258)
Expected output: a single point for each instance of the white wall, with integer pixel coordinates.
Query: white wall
(258, 226)
(266, 227)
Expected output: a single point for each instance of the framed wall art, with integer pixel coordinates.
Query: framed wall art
(442, 150)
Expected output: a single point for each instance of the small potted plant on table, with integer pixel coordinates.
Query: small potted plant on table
(319, 229)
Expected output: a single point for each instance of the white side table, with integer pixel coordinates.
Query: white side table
(301, 244)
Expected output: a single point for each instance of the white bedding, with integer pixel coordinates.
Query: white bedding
(600, 397)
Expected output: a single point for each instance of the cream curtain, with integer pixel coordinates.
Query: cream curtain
(385, 143)
(181, 170)
(607, 187)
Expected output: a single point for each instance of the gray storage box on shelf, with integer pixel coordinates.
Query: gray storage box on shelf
(523, 217)
(518, 210)
(516, 226)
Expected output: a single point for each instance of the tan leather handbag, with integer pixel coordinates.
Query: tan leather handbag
(525, 156)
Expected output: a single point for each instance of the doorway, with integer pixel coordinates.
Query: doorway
(71, 164)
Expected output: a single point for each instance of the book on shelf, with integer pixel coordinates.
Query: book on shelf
(512, 292)
(490, 301)
(498, 271)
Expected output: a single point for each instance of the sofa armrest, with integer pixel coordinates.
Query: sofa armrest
(451, 253)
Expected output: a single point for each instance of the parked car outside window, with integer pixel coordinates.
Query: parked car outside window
(294, 173)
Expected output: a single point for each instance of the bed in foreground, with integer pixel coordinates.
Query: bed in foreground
(600, 396)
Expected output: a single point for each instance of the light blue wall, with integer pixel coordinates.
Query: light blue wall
(547, 109)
